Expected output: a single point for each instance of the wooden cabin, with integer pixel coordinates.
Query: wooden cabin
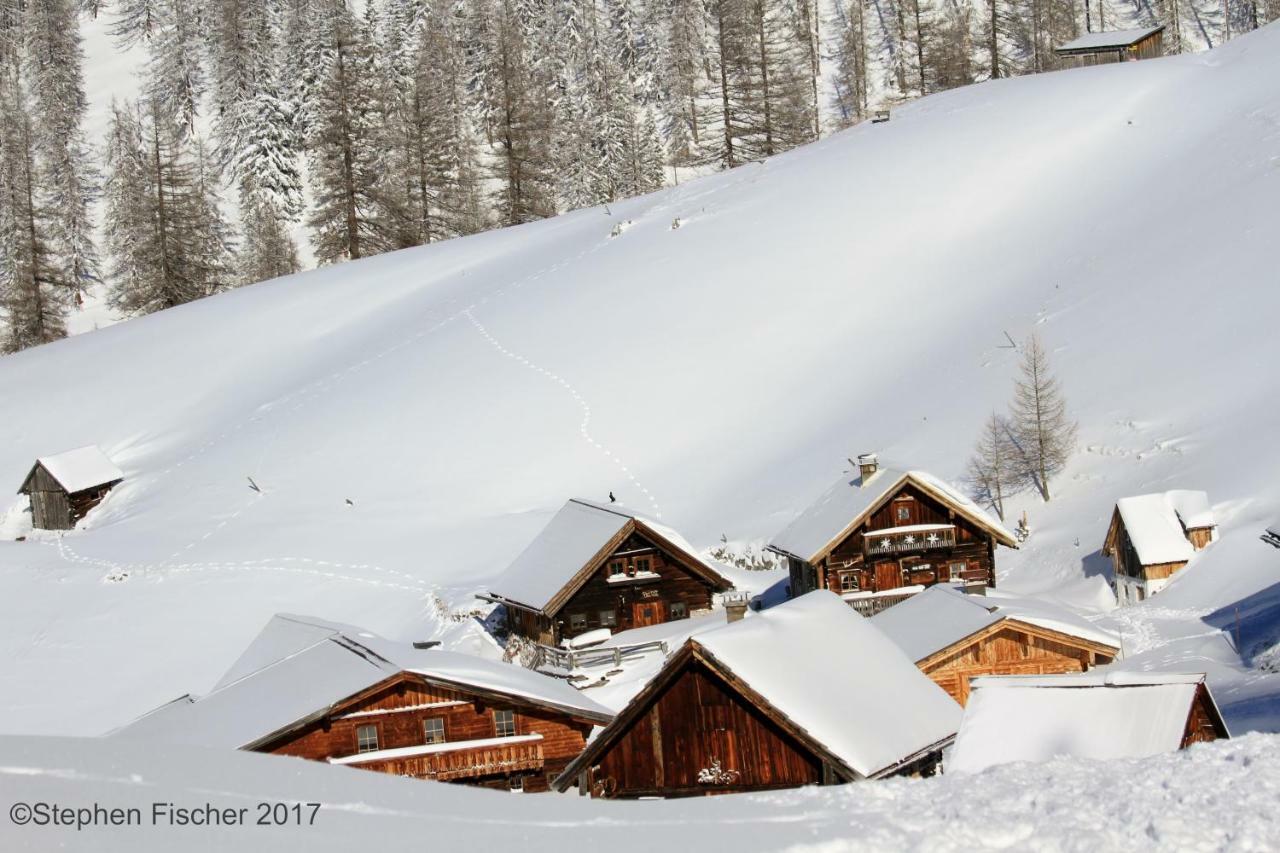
(600, 566)
(954, 637)
(885, 529)
(63, 488)
(1097, 715)
(1113, 46)
(1152, 537)
(749, 706)
(339, 694)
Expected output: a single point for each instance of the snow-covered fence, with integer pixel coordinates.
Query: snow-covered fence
(550, 657)
(870, 605)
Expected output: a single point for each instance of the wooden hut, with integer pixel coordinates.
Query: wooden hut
(885, 529)
(63, 488)
(1096, 715)
(1151, 537)
(599, 566)
(340, 694)
(954, 637)
(1113, 46)
(750, 706)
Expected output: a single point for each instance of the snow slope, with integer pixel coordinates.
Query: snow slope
(849, 296)
(1217, 796)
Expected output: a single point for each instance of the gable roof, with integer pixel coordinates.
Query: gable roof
(1098, 714)
(1157, 524)
(849, 501)
(574, 544)
(941, 617)
(1110, 40)
(873, 713)
(298, 669)
(77, 470)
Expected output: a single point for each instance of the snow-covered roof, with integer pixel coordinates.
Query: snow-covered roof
(849, 499)
(1097, 715)
(1155, 523)
(875, 710)
(80, 469)
(576, 537)
(1112, 39)
(940, 616)
(298, 668)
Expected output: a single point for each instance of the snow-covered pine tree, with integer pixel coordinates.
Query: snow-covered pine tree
(35, 286)
(168, 241)
(342, 151)
(1044, 434)
(135, 21)
(53, 61)
(730, 55)
(852, 60)
(175, 67)
(684, 75)
(267, 250)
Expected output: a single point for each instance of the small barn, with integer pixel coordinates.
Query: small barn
(1113, 46)
(955, 638)
(63, 488)
(1151, 537)
(600, 566)
(343, 695)
(749, 706)
(1096, 715)
(883, 529)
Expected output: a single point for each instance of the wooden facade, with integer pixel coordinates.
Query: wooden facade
(52, 506)
(913, 537)
(411, 726)
(1122, 49)
(1131, 577)
(1204, 723)
(697, 730)
(1011, 647)
(637, 578)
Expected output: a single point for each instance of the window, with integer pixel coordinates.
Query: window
(956, 570)
(577, 621)
(504, 723)
(679, 610)
(848, 582)
(434, 730)
(642, 564)
(517, 783)
(608, 618)
(903, 512)
(366, 739)
(616, 567)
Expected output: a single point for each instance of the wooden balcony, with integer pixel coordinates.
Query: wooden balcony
(452, 761)
(900, 540)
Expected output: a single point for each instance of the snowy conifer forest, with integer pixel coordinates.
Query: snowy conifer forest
(260, 137)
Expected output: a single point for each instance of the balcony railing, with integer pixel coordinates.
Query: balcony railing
(458, 760)
(917, 537)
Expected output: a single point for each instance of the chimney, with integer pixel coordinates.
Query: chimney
(868, 464)
(735, 606)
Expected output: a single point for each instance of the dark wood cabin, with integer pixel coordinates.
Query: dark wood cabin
(737, 709)
(599, 566)
(340, 694)
(1114, 46)
(63, 488)
(954, 638)
(411, 725)
(1153, 537)
(889, 529)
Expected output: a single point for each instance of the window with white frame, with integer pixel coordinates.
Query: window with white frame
(849, 582)
(956, 570)
(366, 739)
(642, 564)
(617, 567)
(608, 618)
(433, 730)
(504, 723)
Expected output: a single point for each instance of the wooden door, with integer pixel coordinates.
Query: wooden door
(888, 576)
(648, 613)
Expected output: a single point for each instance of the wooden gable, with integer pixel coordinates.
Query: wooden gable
(696, 730)
(1204, 722)
(1011, 647)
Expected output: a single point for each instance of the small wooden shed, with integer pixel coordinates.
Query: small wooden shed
(63, 488)
(1152, 537)
(1114, 46)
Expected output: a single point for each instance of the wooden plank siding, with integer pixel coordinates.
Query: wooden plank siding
(695, 722)
(399, 709)
(1010, 647)
(1203, 723)
(851, 566)
(52, 508)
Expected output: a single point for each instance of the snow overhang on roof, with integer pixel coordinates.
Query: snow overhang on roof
(848, 501)
(578, 537)
(1111, 40)
(1157, 524)
(78, 470)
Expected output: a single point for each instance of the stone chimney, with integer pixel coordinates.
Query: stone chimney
(868, 464)
(735, 606)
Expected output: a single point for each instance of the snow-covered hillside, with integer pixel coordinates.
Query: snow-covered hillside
(414, 418)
